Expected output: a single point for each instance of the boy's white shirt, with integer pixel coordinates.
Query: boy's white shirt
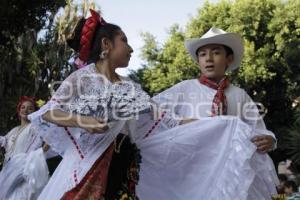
(191, 99)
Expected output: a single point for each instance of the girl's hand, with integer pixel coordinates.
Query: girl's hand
(92, 125)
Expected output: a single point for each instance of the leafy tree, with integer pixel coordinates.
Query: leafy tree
(29, 65)
(167, 65)
(292, 141)
(20, 23)
(18, 16)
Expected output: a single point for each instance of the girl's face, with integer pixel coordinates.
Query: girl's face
(121, 51)
(26, 108)
(213, 61)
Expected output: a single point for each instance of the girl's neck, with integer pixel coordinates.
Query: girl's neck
(24, 122)
(106, 69)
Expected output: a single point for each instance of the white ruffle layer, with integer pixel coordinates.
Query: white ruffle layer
(209, 159)
(24, 176)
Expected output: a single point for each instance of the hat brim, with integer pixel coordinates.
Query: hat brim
(232, 40)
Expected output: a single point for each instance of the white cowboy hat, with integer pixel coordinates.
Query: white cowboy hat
(218, 36)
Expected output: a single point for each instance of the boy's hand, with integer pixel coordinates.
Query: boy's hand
(264, 143)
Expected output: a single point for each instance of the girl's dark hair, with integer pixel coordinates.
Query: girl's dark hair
(282, 177)
(108, 30)
(291, 184)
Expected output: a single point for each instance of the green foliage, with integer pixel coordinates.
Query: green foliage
(167, 64)
(217, 15)
(18, 16)
(29, 65)
(292, 140)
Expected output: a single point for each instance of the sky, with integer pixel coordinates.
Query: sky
(153, 16)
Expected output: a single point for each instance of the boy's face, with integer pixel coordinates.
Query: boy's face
(213, 61)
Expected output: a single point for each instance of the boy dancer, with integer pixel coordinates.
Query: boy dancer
(216, 53)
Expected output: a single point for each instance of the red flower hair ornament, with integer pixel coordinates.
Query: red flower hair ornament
(87, 34)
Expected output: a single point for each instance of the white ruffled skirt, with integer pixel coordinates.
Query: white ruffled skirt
(209, 159)
(24, 176)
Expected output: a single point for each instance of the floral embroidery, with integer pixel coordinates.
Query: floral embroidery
(86, 93)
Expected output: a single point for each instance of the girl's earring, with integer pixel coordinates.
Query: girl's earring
(103, 54)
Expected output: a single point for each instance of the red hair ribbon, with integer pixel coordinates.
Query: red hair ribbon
(87, 35)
